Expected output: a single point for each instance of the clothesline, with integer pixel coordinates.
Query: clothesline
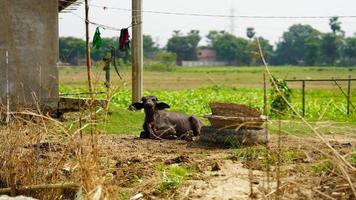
(103, 25)
(224, 16)
(106, 27)
(105, 7)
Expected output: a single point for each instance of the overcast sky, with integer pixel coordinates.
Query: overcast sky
(161, 26)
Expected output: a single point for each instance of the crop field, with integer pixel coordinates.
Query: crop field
(197, 77)
(190, 89)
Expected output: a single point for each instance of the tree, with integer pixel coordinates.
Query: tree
(250, 32)
(168, 59)
(298, 45)
(335, 25)
(329, 48)
(229, 47)
(150, 48)
(254, 53)
(184, 46)
(71, 49)
(312, 51)
(349, 51)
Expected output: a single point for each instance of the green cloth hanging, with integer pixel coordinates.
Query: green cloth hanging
(97, 39)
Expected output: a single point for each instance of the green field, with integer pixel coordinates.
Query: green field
(190, 90)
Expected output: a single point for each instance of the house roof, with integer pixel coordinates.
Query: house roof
(63, 4)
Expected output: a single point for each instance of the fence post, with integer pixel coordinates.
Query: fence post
(264, 95)
(303, 96)
(348, 95)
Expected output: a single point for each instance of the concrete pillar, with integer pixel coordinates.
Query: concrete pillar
(29, 32)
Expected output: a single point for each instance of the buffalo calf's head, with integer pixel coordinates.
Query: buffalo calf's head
(149, 104)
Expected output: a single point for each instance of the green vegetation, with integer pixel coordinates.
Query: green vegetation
(124, 196)
(188, 90)
(280, 96)
(172, 177)
(353, 157)
(320, 168)
(250, 153)
(320, 104)
(121, 120)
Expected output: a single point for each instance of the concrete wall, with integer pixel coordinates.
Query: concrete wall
(202, 63)
(29, 32)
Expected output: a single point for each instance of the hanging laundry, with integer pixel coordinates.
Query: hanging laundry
(97, 39)
(124, 40)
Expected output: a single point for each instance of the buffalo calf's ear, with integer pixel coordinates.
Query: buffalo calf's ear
(162, 106)
(136, 106)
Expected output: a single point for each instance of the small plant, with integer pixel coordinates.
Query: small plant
(278, 105)
(172, 176)
(320, 168)
(124, 196)
(250, 153)
(291, 155)
(353, 157)
(233, 142)
(204, 154)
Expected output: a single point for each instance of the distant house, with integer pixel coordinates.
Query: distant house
(205, 57)
(206, 54)
(29, 41)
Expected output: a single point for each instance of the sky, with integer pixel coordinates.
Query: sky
(161, 26)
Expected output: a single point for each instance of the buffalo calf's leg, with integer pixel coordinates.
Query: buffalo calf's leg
(195, 125)
(144, 135)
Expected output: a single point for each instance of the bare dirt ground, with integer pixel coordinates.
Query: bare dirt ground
(223, 173)
(129, 166)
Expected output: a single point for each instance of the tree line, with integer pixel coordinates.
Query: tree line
(300, 45)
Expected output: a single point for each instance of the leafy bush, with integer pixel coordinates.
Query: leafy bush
(278, 104)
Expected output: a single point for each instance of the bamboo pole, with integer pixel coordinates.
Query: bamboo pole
(71, 186)
(303, 98)
(7, 89)
(264, 95)
(348, 95)
(88, 48)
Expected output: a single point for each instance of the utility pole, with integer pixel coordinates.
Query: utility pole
(88, 48)
(232, 18)
(137, 51)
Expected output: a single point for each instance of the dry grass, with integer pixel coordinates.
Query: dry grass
(39, 151)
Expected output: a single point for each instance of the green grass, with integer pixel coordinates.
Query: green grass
(320, 168)
(353, 156)
(172, 177)
(124, 196)
(122, 121)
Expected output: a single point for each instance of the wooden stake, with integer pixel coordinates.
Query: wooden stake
(137, 51)
(71, 186)
(88, 48)
(348, 95)
(7, 89)
(278, 175)
(303, 98)
(264, 95)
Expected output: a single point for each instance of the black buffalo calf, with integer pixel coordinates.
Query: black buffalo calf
(160, 123)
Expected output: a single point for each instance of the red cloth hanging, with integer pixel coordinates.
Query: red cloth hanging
(124, 40)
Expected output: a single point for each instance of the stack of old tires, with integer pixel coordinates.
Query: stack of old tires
(234, 125)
